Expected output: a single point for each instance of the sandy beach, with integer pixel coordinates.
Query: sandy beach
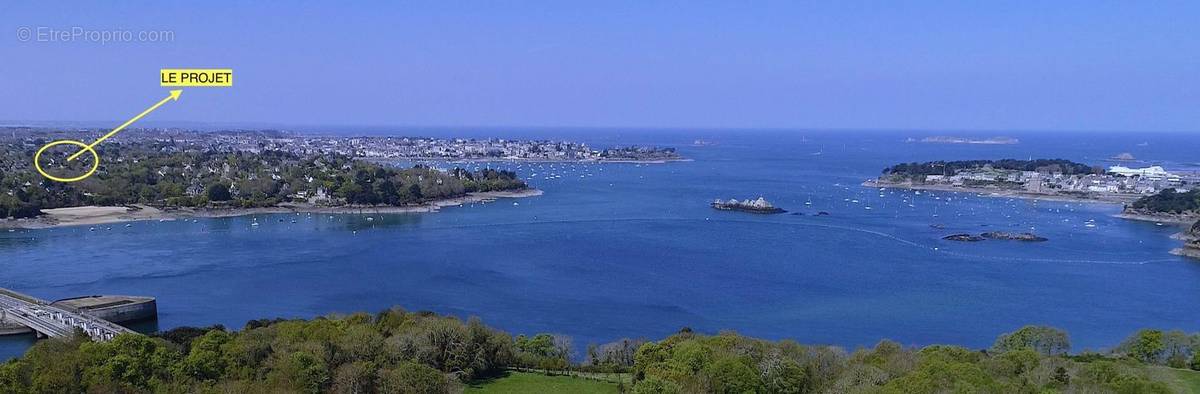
(98, 215)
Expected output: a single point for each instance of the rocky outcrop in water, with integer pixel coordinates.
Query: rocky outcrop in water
(1191, 242)
(963, 238)
(1025, 237)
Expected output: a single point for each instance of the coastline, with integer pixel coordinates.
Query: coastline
(519, 160)
(1184, 220)
(1187, 252)
(1091, 198)
(99, 215)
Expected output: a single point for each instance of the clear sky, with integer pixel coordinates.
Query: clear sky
(1002, 65)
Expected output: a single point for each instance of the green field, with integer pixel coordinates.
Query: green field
(525, 382)
(1187, 381)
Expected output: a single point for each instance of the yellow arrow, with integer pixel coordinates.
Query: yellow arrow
(173, 97)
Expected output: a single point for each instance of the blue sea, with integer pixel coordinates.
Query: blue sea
(628, 250)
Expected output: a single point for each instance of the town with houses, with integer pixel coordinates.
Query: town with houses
(1117, 182)
(404, 148)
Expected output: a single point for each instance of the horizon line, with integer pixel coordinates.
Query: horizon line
(250, 125)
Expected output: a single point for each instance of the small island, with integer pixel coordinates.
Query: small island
(1003, 235)
(757, 206)
(965, 140)
(964, 237)
(1000, 235)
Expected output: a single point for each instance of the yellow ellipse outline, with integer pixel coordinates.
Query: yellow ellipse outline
(95, 162)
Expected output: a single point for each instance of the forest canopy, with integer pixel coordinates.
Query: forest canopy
(941, 167)
(1169, 201)
(396, 351)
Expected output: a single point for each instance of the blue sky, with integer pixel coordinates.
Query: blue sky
(1061, 65)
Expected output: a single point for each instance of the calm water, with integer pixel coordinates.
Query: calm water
(623, 250)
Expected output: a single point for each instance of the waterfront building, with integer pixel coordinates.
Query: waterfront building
(1152, 172)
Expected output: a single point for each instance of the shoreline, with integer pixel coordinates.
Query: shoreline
(100, 215)
(1172, 219)
(1185, 220)
(1099, 199)
(517, 160)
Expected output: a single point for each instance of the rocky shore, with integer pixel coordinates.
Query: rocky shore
(96, 215)
(1000, 235)
(963, 238)
(1104, 198)
(1191, 242)
(1158, 217)
(1190, 235)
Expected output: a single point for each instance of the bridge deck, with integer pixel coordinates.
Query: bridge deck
(53, 321)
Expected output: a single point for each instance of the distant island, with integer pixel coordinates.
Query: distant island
(1126, 156)
(756, 206)
(1000, 235)
(965, 140)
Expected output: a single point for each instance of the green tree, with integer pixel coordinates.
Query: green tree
(731, 376)
(656, 385)
(941, 375)
(1045, 340)
(301, 371)
(355, 377)
(412, 378)
(786, 377)
(218, 192)
(1145, 346)
(129, 360)
(207, 361)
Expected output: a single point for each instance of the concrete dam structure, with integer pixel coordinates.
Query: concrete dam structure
(114, 308)
(99, 315)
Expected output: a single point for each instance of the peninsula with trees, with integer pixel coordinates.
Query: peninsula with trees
(1172, 206)
(151, 179)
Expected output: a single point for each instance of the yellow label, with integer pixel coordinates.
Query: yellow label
(196, 77)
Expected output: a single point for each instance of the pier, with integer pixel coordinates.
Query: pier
(51, 321)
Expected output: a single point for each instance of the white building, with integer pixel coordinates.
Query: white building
(1152, 172)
